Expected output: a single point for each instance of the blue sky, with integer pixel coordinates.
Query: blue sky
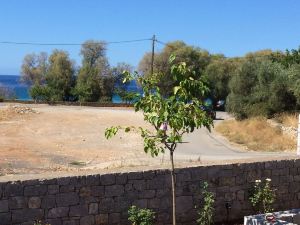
(232, 27)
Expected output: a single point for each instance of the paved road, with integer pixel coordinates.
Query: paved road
(205, 146)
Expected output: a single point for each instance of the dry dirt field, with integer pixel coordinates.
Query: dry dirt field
(39, 138)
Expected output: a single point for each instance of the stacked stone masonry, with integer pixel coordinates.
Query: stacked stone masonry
(105, 199)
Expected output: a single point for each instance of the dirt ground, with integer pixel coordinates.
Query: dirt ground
(60, 138)
(46, 140)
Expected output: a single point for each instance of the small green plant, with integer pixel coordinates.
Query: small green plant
(140, 216)
(207, 211)
(263, 196)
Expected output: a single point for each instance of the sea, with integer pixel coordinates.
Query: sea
(21, 90)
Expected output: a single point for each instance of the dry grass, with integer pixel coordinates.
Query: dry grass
(288, 119)
(256, 134)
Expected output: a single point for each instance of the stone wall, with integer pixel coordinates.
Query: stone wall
(105, 198)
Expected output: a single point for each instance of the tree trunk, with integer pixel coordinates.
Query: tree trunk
(173, 188)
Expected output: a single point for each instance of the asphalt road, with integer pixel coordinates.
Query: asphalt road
(210, 146)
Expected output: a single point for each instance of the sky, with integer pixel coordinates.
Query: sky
(231, 27)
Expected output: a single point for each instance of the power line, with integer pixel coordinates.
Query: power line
(71, 44)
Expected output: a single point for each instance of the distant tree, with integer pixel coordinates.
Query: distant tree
(34, 68)
(218, 74)
(196, 59)
(259, 88)
(60, 76)
(95, 80)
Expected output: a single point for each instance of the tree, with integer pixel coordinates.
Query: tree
(34, 68)
(172, 116)
(94, 77)
(260, 88)
(196, 59)
(60, 76)
(218, 74)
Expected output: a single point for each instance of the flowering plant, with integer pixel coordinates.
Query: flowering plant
(263, 196)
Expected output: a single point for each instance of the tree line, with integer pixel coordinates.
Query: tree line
(260, 83)
(56, 77)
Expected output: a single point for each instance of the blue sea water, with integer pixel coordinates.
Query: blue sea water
(21, 90)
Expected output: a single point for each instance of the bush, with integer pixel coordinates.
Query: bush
(140, 216)
(263, 196)
(206, 213)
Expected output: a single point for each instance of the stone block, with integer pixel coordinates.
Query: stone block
(153, 203)
(85, 191)
(115, 190)
(149, 175)
(106, 205)
(48, 202)
(17, 202)
(101, 219)
(13, 189)
(63, 181)
(66, 188)
(78, 210)
(184, 204)
(53, 222)
(3, 206)
(139, 185)
(23, 215)
(70, 222)
(5, 218)
(135, 176)
(227, 181)
(97, 190)
(93, 180)
(93, 208)
(121, 178)
(108, 179)
(67, 199)
(147, 194)
(240, 195)
(53, 189)
(37, 190)
(34, 202)
(87, 220)
(141, 203)
(114, 218)
(58, 212)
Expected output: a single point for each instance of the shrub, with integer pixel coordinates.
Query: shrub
(263, 196)
(140, 216)
(206, 213)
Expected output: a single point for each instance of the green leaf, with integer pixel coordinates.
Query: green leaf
(176, 89)
(127, 129)
(172, 58)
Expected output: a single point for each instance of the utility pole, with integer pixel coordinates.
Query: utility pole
(152, 56)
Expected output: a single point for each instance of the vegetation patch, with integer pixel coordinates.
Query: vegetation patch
(287, 119)
(256, 134)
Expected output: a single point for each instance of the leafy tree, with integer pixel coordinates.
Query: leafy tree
(60, 76)
(196, 59)
(41, 93)
(260, 88)
(206, 212)
(94, 78)
(171, 117)
(34, 68)
(218, 74)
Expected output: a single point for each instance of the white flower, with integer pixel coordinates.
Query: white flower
(268, 179)
(257, 181)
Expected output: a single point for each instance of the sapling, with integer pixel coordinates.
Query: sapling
(171, 116)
